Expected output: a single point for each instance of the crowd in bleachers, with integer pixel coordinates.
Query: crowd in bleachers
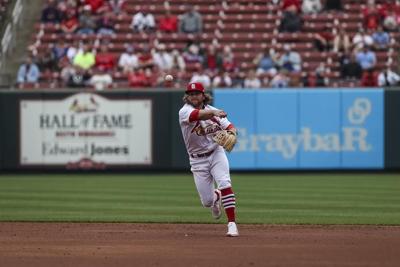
(118, 43)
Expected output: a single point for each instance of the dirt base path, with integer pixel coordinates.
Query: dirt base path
(114, 244)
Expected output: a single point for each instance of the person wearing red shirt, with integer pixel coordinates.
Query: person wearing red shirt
(105, 60)
(168, 23)
(212, 60)
(288, 3)
(145, 59)
(138, 78)
(70, 23)
(228, 60)
(369, 78)
(373, 15)
(96, 5)
(394, 7)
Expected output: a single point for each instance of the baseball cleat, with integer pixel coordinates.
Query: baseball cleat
(232, 230)
(216, 207)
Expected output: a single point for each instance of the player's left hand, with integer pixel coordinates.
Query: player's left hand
(226, 139)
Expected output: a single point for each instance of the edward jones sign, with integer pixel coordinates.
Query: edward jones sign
(86, 129)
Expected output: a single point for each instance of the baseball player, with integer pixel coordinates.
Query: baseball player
(201, 123)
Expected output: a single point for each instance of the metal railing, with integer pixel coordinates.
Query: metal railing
(8, 40)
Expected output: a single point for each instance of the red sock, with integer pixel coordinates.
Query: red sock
(228, 201)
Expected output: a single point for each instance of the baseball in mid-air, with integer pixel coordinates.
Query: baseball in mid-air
(169, 78)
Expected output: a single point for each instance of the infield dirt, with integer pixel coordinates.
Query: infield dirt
(124, 244)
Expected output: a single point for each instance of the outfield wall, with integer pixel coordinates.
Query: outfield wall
(306, 129)
(301, 129)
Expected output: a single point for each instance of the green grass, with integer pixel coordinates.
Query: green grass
(261, 198)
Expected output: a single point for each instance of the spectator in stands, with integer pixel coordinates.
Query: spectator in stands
(373, 15)
(178, 62)
(388, 77)
(168, 23)
(392, 19)
(178, 68)
(105, 24)
(291, 5)
(280, 80)
(139, 78)
(266, 61)
(291, 20)
(143, 21)
(28, 72)
(212, 62)
(295, 80)
(50, 13)
(163, 59)
(265, 79)
(222, 79)
(349, 67)
(145, 58)
(391, 22)
(323, 41)
(228, 60)
(118, 7)
(191, 21)
(78, 79)
(341, 41)
(47, 62)
(381, 39)
(70, 23)
(59, 50)
(128, 60)
(369, 78)
(97, 6)
(315, 78)
(105, 60)
(366, 58)
(289, 60)
(69, 7)
(74, 49)
(87, 22)
(84, 59)
(201, 76)
(67, 71)
(311, 6)
(361, 39)
(251, 80)
(333, 5)
(192, 52)
(100, 80)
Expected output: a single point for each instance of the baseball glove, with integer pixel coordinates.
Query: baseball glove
(226, 139)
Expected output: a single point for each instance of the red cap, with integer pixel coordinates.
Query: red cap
(192, 87)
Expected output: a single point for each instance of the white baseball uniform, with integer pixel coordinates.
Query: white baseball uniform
(207, 159)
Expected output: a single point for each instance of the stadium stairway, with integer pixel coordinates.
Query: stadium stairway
(32, 11)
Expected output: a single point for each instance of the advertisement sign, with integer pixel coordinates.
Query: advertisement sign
(306, 129)
(363, 128)
(319, 128)
(240, 108)
(274, 145)
(86, 130)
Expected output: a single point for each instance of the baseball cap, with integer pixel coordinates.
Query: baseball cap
(196, 86)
